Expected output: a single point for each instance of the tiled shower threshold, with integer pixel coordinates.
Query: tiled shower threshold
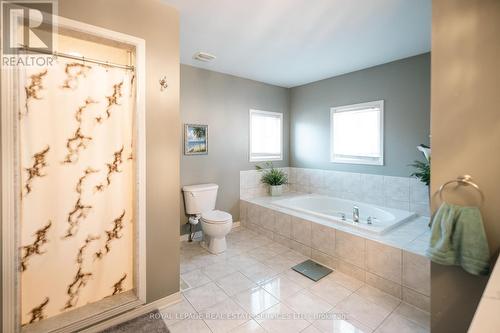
(86, 315)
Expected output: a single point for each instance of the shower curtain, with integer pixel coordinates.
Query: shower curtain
(76, 126)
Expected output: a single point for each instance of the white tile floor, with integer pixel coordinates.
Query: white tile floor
(251, 288)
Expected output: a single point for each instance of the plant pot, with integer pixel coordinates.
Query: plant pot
(276, 190)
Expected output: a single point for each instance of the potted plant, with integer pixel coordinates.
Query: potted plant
(273, 177)
(423, 169)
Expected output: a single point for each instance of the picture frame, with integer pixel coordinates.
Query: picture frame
(195, 139)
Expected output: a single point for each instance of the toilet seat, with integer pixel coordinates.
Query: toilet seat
(216, 217)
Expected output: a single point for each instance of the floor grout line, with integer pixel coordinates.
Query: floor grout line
(260, 284)
(410, 319)
(387, 317)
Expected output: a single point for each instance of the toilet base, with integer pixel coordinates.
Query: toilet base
(214, 234)
(214, 245)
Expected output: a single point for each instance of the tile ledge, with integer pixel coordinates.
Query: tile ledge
(385, 239)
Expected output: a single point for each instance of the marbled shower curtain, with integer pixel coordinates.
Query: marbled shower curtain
(77, 168)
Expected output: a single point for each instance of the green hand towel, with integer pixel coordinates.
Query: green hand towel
(458, 238)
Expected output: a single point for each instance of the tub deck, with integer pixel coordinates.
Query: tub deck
(339, 212)
(393, 262)
(412, 235)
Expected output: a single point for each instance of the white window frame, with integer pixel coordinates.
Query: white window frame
(264, 158)
(358, 159)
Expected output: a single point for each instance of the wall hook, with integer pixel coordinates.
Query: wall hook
(163, 83)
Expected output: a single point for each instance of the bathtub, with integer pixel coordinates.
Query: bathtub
(340, 211)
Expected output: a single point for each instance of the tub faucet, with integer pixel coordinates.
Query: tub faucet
(355, 214)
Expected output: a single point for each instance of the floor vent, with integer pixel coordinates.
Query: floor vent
(312, 270)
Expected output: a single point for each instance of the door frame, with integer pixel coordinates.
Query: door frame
(11, 176)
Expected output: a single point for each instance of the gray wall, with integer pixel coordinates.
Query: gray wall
(465, 127)
(223, 102)
(404, 85)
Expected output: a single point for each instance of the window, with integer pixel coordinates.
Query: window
(266, 136)
(357, 133)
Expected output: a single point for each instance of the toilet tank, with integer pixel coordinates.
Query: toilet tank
(200, 198)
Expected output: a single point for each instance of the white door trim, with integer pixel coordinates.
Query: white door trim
(10, 201)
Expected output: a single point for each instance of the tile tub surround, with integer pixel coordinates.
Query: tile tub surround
(262, 294)
(393, 192)
(251, 186)
(393, 262)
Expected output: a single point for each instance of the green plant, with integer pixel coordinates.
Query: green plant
(423, 171)
(271, 175)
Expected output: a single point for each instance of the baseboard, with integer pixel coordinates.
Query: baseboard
(185, 237)
(143, 309)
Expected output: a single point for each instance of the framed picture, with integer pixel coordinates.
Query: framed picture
(195, 139)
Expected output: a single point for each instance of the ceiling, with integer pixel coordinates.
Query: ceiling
(294, 42)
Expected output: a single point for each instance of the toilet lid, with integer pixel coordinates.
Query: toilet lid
(216, 216)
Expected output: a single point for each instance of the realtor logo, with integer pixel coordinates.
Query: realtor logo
(27, 26)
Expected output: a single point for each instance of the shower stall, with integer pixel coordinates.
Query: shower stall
(73, 166)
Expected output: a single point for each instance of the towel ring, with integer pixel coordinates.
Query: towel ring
(461, 180)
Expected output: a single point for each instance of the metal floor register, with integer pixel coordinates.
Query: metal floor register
(312, 270)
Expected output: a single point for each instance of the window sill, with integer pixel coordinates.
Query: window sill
(357, 161)
(265, 159)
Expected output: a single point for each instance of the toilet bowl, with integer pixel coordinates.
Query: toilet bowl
(200, 205)
(216, 225)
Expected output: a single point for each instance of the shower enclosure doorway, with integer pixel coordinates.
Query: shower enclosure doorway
(73, 182)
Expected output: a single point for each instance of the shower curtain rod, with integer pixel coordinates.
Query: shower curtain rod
(84, 59)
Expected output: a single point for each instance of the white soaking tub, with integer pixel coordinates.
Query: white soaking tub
(340, 211)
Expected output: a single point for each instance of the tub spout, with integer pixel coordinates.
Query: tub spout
(355, 214)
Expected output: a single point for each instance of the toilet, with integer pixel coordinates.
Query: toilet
(216, 224)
